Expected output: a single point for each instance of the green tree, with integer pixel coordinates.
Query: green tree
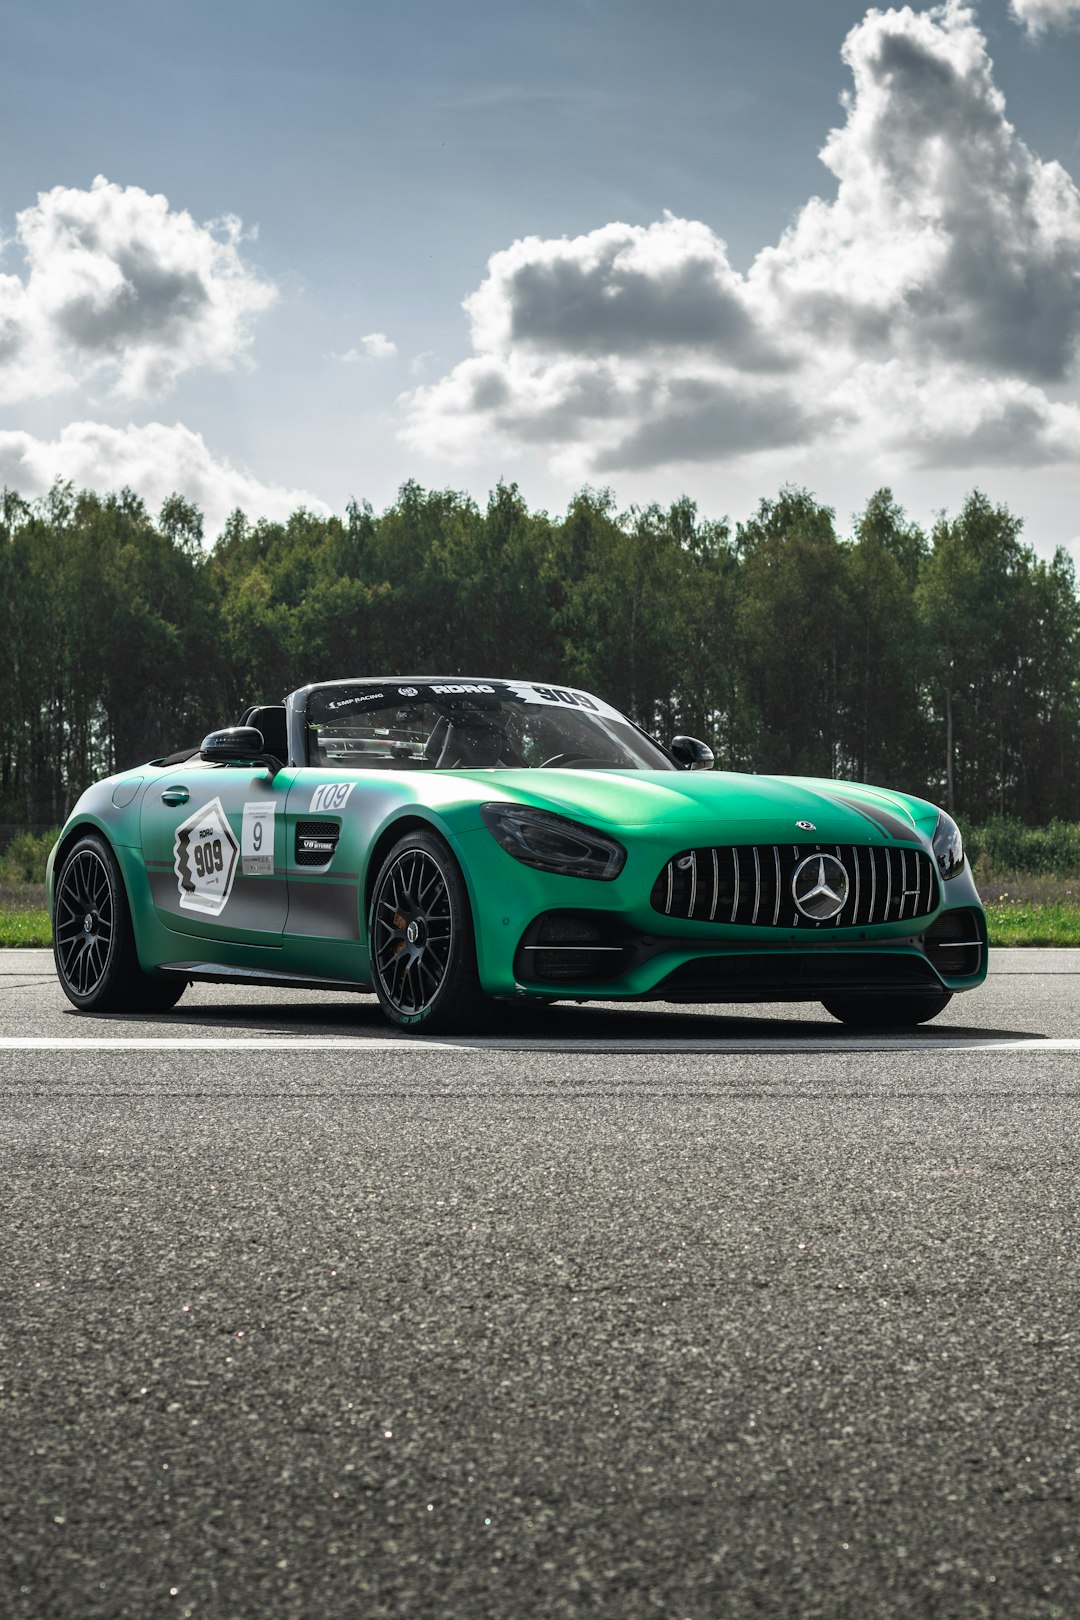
(975, 601)
(887, 738)
(795, 631)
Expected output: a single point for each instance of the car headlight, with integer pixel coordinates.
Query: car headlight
(553, 843)
(948, 846)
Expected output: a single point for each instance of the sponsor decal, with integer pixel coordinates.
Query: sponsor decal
(356, 702)
(408, 691)
(331, 796)
(204, 860)
(257, 838)
(448, 690)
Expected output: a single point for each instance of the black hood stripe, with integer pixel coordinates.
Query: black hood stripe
(886, 823)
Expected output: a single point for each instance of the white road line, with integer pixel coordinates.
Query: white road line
(212, 1043)
(674, 1046)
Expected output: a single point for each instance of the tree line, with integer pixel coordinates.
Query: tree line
(946, 663)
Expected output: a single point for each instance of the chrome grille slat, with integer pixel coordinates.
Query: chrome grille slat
(902, 874)
(873, 880)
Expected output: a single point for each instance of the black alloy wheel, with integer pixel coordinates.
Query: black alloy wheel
(93, 940)
(888, 1012)
(85, 929)
(423, 957)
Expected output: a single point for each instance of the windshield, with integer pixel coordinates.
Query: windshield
(463, 725)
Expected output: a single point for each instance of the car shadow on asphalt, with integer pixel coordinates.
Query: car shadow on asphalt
(360, 1016)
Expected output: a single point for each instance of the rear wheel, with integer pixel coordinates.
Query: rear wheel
(888, 1012)
(93, 941)
(423, 953)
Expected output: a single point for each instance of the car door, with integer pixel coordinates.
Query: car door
(328, 823)
(214, 845)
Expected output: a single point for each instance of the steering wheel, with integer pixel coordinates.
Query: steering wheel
(561, 759)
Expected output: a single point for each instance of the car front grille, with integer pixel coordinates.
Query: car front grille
(751, 885)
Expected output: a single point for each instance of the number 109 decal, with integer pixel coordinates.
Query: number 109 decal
(204, 860)
(331, 796)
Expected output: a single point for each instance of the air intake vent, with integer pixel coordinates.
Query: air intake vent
(316, 842)
(569, 946)
(753, 885)
(954, 944)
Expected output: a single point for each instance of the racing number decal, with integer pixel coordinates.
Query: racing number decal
(559, 695)
(331, 795)
(204, 860)
(555, 694)
(257, 838)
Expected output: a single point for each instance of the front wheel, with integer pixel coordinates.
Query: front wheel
(888, 1012)
(93, 941)
(423, 953)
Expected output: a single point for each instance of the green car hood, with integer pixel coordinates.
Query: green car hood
(770, 806)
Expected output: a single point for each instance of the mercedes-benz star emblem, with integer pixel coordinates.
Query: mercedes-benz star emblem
(819, 885)
(806, 826)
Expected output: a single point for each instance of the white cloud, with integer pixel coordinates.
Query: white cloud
(153, 460)
(375, 346)
(928, 306)
(1038, 15)
(120, 286)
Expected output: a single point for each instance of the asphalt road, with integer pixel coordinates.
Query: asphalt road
(637, 1313)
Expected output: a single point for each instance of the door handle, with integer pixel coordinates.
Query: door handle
(175, 795)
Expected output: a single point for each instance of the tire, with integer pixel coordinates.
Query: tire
(888, 1012)
(93, 940)
(423, 951)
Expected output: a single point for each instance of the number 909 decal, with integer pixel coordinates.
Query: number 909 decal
(204, 860)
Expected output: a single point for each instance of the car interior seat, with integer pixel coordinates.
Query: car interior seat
(471, 742)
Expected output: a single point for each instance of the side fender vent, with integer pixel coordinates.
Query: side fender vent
(316, 842)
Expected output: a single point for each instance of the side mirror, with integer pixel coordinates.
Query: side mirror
(238, 745)
(691, 754)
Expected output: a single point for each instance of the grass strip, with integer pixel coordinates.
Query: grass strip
(25, 928)
(1010, 923)
(1050, 922)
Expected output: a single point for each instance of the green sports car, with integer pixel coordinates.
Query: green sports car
(444, 841)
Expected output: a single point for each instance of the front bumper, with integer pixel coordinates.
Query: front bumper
(614, 945)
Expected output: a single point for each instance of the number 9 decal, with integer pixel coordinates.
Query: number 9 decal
(257, 838)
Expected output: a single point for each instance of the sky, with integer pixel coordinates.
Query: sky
(271, 254)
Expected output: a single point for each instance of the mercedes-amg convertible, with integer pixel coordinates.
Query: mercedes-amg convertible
(445, 841)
